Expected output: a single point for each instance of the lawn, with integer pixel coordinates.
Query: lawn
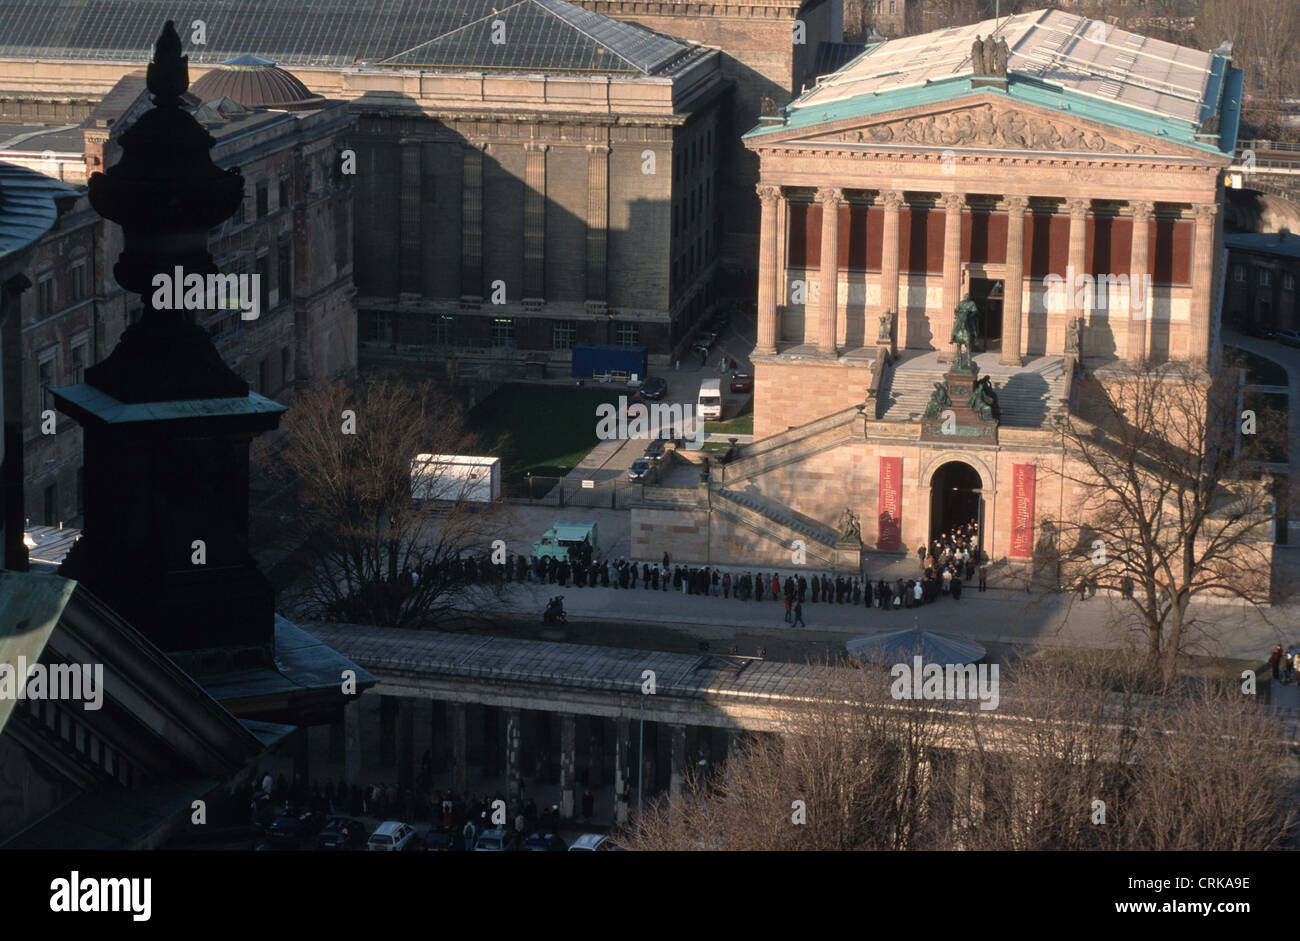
(1259, 370)
(740, 424)
(1262, 403)
(545, 430)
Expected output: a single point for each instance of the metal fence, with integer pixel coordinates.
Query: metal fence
(564, 491)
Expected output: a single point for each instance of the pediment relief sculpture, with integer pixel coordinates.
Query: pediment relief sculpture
(985, 125)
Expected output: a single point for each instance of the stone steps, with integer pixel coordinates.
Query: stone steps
(1025, 398)
(796, 525)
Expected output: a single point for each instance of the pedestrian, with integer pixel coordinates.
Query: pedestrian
(726, 585)
(917, 594)
(798, 615)
(956, 589)
(816, 588)
(776, 586)
(1275, 662)
(787, 610)
(984, 577)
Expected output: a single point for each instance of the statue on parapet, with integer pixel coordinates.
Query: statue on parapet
(850, 527)
(983, 400)
(939, 400)
(1074, 337)
(964, 331)
(886, 334)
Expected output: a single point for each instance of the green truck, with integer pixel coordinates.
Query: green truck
(570, 541)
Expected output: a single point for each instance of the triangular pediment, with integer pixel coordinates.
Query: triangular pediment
(986, 125)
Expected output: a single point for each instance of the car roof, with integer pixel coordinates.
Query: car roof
(388, 828)
(588, 841)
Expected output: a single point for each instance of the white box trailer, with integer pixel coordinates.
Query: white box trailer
(453, 477)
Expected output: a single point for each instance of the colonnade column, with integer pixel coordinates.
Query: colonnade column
(1013, 291)
(622, 769)
(830, 198)
(568, 763)
(459, 758)
(893, 202)
(1139, 294)
(514, 734)
(352, 742)
(952, 206)
(678, 757)
(535, 219)
(1203, 286)
(1076, 266)
(767, 270)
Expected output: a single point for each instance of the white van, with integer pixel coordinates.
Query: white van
(709, 404)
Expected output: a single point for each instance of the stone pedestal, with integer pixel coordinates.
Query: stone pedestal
(964, 424)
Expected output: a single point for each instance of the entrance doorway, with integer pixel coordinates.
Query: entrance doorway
(956, 498)
(987, 295)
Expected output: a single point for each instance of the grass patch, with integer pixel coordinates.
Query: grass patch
(543, 430)
(1260, 371)
(741, 424)
(1271, 407)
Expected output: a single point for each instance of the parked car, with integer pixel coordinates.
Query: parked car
(341, 833)
(591, 842)
(392, 836)
(291, 828)
(441, 840)
(639, 470)
(1287, 337)
(742, 382)
(497, 841)
(545, 843)
(654, 388)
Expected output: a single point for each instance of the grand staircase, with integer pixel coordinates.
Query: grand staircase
(1026, 397)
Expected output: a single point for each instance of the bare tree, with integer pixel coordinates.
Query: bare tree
(1161, 466)
(375, 555)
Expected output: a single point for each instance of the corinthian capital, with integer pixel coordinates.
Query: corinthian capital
(1017, 204)
(1142, 209)
(953, 202)
(892, 199)
(1078, 208)
(1205, 212)
(768, 193)
(830, 196)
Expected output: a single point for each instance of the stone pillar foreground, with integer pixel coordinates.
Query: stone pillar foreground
(889, 303)
(767, 271)
(459, 760)
(942, 325)
(568, 763)
(1013, 292)
(595, 751)
(622, 769)
(471, 226)
(1203, 286)
(1139, 297)
(830, 198)
(352, 743)
(535, 219)
(514, 732)
(409, 218)
(1076, 268)
(678, 758)
(597, 220)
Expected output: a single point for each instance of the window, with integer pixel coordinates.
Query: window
(286, 368)
(444, 326)
(78, 363)
(628, 334)
(377, 328)
(284, 193)
(563, 333)
(1288, 281)
(1265, 278)
(263, 200)
(1238, 273)
(503, 332)
(284, 276)
(263, 284)
(45, 377)
(241, 217)
(45, 296)
(79, 281)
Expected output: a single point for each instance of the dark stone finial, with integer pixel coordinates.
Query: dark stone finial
(168, 75)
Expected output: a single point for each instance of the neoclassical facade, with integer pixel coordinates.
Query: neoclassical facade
(1062, 183)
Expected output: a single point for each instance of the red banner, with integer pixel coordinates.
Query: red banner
(890, 534)
(1022, 511)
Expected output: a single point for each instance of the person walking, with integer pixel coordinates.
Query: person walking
(1275, 662)
(798, 615)
(984, 578)
(788, 608)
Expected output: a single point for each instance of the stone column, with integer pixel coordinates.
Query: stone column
(405, 722)
(1139, 269)
(889, 257)
(1203, 286)
(459, 759)
(513, 737)
(830, 198)
(622, 769)
(352, 742)
(597, 220)
(409, 220)
(1013, 291)
(595, 751)
(568, 763)
(649, 763)
(678, 753)
(471, 227)
(942, 326)
(535, 219)
(768, 238)
(1076, 268)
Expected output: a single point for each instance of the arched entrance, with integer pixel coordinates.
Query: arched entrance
(956, 497)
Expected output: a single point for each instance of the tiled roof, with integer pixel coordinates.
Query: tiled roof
(539, 34)
(1056, 60)
(28, 207)
(1283, 244)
